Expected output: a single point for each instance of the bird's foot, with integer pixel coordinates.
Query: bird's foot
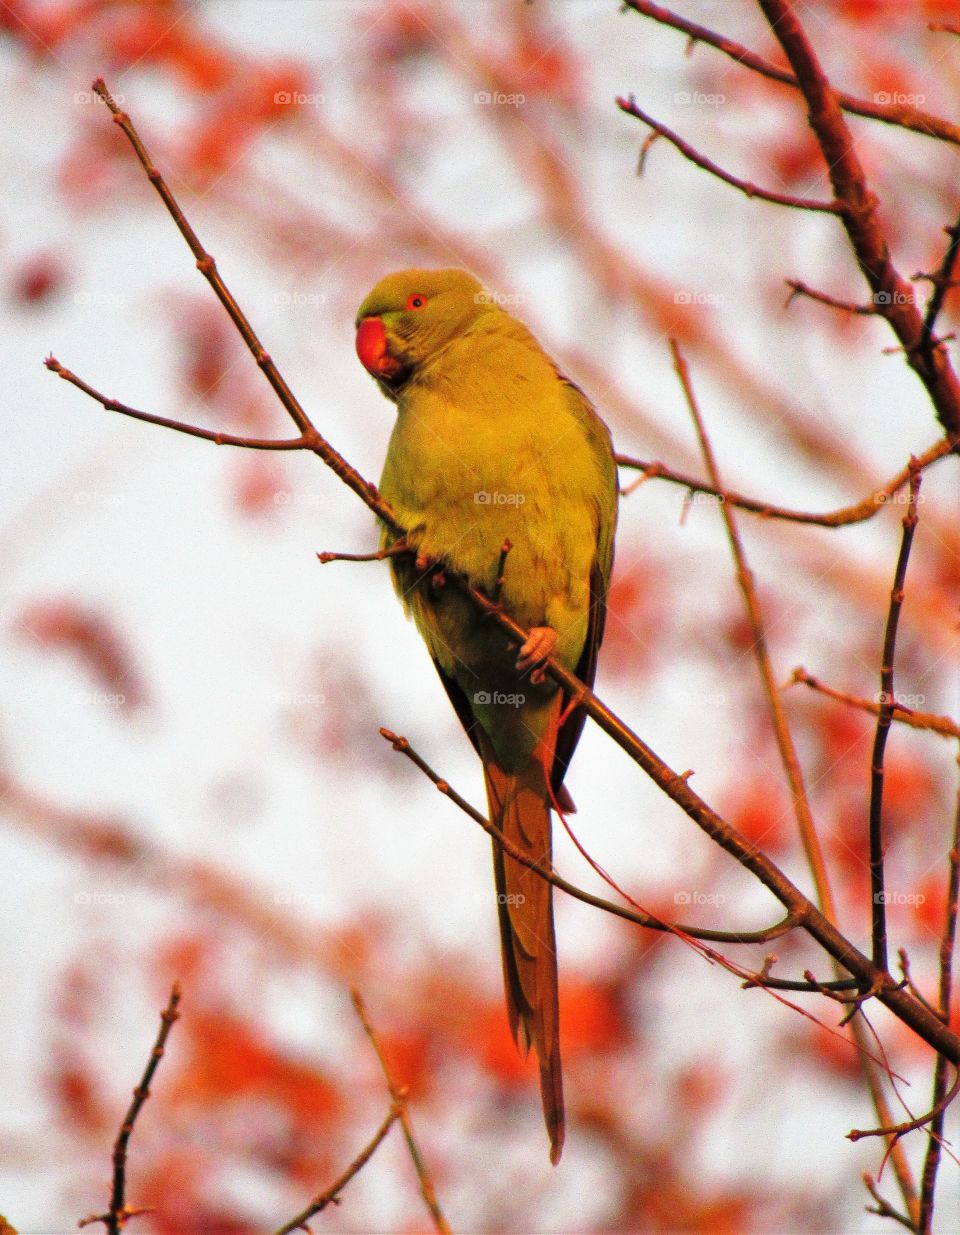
(540, 645)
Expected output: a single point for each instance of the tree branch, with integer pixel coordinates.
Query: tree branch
(797, 288)
(898, 1130)
(930, 721)
(331, 1196)
(928, 1179)
(304, 442)
(629, 106)
(892, 295)
(887, 699)
(856, 513)
(208, 268)
(402, 745)
(117, 1216)
(903, 115)
(427, 1190)
(788, 754)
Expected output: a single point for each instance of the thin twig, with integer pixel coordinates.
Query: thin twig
(209, 435)
(857, 513)
(427, 1189)
(945, 726)
(116, 1217)
(331, 1196)
(942, 282)
(397, 549)
(883, 1207)
(887, 698)
(208, 268)
(903, 115)
(630, 107)
(403, 746)
(856, 1134)
(881, 984)
(845, 306)
(931, 1163)
(788, 753)
(904, 964)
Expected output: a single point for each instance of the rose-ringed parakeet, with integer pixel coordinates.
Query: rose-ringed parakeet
(493, 444)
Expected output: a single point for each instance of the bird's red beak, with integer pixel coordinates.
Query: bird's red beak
(373, 352)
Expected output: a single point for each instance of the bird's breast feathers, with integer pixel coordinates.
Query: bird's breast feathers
(487, 448)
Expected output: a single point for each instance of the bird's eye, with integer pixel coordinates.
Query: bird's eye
(416, 302)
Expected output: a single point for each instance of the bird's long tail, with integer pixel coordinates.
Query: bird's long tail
(520, 806)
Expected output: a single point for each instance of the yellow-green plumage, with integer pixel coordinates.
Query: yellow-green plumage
(491, 443)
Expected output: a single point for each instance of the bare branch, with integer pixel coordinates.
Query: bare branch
(942, 281)
(891, 294)
(119, 1213)
(629, 106)
(857, 513)
(331, 1196)
(788, 753)
(402, 745)
(397, 1093)
(931, 1163)
(930, 721)
(883, 1207)
(208, 268)
(856, 1134)
(887, 697)
(845, 306)
(904, 116)
(305, 442)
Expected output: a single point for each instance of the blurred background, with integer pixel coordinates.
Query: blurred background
(192, 785)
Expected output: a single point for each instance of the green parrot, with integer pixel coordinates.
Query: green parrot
(492, 444)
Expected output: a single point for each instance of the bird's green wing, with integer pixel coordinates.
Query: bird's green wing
(598, 436)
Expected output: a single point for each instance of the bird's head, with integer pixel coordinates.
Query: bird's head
(409, 316)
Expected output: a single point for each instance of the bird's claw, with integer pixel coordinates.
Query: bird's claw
(538, 647)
